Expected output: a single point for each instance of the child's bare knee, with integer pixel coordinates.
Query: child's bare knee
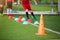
(26, 10)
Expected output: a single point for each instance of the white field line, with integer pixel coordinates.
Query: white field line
(47, 29)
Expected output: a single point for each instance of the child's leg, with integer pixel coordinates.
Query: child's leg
(9, 8)
(35, 19)
(1, 9)
(10, 11)
(28, 19)
(33, 16)
(27, 15)
(29, 8)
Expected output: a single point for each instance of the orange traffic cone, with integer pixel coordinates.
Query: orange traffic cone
(41, 26)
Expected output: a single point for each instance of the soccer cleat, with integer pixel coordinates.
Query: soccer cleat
(36, 23)
(15, 19)
(25, 22)
(29, 20)
(23, 19)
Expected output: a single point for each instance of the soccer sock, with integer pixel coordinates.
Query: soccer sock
(33, 16)
(8, 11)
(27, 15)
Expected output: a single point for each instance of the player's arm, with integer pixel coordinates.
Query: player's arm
(35, 1)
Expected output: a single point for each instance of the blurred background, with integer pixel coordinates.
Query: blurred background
(37, 5)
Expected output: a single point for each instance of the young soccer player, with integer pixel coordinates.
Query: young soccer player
(2, 3)
(9, 7)
(27, 7)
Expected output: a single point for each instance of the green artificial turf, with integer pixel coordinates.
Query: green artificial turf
(12, 30)
(51, 21)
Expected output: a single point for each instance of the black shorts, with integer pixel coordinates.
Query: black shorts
(9, 5)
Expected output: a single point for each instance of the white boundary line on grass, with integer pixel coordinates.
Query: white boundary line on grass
(47, 29)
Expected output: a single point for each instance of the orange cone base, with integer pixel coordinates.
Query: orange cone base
(40, 34)
(19, 20)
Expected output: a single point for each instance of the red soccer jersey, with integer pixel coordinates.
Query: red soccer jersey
(26, 5)
(9, 0)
